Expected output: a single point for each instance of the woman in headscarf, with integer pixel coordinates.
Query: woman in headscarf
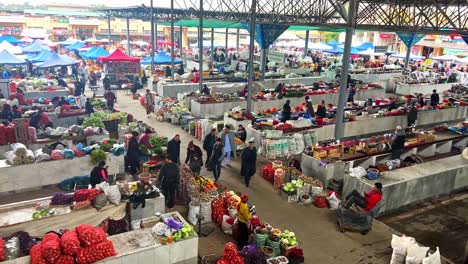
(243, 217)
(286, 115)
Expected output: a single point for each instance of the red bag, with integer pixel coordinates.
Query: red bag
(50, 248)
(90, 236)
(70, 243)
(86, 194)
(95, 253)
(36, 255)
(2, 249)
(321, 201)
(64, 259)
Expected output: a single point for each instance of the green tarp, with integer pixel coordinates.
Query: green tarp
(207, 23)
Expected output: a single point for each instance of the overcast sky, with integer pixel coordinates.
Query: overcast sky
(160, 3)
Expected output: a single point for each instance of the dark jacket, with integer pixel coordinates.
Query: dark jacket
(95, 176)
(196, 152)
(286, 112)
(392, 106)
(242, 135)
(321, 111)
(218, 154)
(434, 99)
(413, 114)
(310, 109)
(399, 140)
(249, 160)
(133, 148)
(169, 176)
(173, 150)
(89, 107)
(209, 142)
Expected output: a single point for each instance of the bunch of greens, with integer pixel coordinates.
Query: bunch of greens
(108, 144)
(98, 155)
(98, 103)
(158, 143)
(93, 121)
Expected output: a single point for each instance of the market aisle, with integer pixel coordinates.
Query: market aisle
(315, 228)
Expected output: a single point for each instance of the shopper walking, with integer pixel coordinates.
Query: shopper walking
(398, 142)
(248, 162)
(216, 158)
(194, 158)
(169, 178)
(229, 143)
(173, 149)
(149, 102)
(412, 115)
(111, 99)
(243, 217)
(133, 154)
(208, 144)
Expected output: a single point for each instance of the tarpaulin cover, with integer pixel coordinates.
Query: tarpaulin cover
(10, 59)
(10, 39)
(75, 46)
(266, 34)
(333, 42)
(365, 46)
(410, 39)
(118, 55)
(160, 59)
(35, 47)
(40, 57)
(95, 53)
(57, 60)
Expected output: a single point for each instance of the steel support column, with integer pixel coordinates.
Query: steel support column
(407, 57)
(172, 40)
(306, 43)
(251, 55)
(181, 35)
(129, 50)
(152, 39)
(237, 39)
(200, 48)
(226, 44)
(339, 127)
(212, 46)
(156, 35)
(263, 63)
(109, 30)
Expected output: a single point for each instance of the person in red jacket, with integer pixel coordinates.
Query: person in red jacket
(368, 201)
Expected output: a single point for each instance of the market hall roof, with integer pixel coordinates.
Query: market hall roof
(435, 16)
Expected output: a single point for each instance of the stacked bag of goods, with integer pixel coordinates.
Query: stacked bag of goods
(85, 245)
(19, 154)
(407, 251)
(7, 134)
(230, 255)
(268, 172)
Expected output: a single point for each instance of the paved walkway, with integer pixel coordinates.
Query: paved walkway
(315, 228)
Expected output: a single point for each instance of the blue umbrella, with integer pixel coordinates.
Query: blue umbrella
(95, 53)
(10, 39)
(75, 46)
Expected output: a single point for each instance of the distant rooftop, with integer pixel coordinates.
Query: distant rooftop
(62, 13)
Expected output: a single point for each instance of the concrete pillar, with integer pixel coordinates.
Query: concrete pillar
(180, 40)
(226, 39)
(306, 43)
(212, 46)
(407, 57)
(109, 29)
(251, 55)
(263, 64)
(237, 39)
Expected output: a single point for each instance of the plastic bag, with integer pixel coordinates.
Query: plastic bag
(358, 172)
(333, 201)
(100, 201)
(227, 224)
(433, 258)
(113, 195)
(416, 253)
(68, 153)
(400, 246)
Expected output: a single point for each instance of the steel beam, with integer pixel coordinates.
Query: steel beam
(251, 55)
(339, 126)
(237, 39)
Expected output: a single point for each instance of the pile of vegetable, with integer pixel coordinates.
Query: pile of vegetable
(288, 238)
(185, 232)
(157, 144)
(98, 155)
(98, 103)
(289, 188)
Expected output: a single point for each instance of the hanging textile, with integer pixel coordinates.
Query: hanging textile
(266, 34)
(410, 38)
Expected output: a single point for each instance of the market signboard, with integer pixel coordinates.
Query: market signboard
(277, 57)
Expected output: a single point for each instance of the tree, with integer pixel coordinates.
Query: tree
(329, 36)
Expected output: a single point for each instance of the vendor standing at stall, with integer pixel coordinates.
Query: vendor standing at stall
(308, 108)
(286, 114)
(169, 178)
(133, 154)
(412, 115)
(89, 108)
(243, 217)
(98, 174)
(321, 110)
(106, 82)
(434, 98)
(208, 144)
(173, 149)
(145, 138)
(149, 102)
(111, 99)
(398, 143)
(16, 114)
(248, 162)
(229, 143)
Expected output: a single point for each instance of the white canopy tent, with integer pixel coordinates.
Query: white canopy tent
(5, 45)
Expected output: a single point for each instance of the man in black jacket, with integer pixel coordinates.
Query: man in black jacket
(169, 177)
(208, 144)
(216, 158)
(434, 98)
(173, 149)
(412, 115)
(398, 143)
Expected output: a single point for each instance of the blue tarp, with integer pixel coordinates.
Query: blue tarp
(10, 59)
(338, 50)
(86, 52)
(365, 46)
(93, 54)
(10, 39)
(35, 47)
(266, 34)
(333, 42)
(57, 60)
(75, 46)
(410, 38)
(40, 57)
(160, 59)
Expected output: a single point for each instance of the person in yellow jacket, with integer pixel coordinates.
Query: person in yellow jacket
(243, 218)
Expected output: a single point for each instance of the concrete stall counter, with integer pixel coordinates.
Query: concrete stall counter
(46, 94)
(403, 88)
(30, 176)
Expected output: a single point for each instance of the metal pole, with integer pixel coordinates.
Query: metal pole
(156, 35)
(200, 48)
(109, 30)
(263, 64)
(152, 39)
(129, 51)
(172, 40)
(226, 44)
(407, 57)
(339, 127)
(237, 39)
(212, 45)
(251, 55)
(306, 43)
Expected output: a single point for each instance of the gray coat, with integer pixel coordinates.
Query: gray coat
(232, 141)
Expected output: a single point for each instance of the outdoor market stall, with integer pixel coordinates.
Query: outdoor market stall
(423, 88)
(119, 67)
(382, 76)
